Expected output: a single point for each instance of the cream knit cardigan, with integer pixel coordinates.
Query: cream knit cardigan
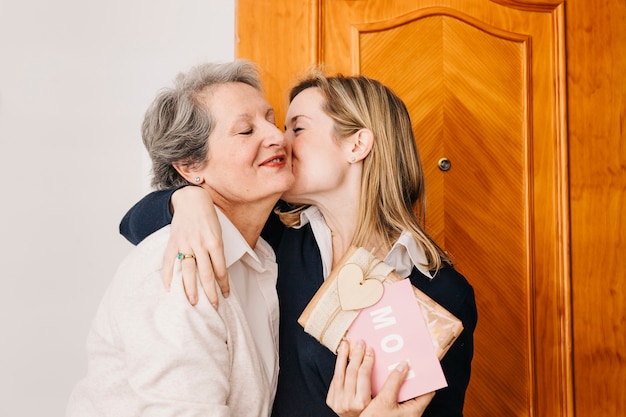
(150, 353)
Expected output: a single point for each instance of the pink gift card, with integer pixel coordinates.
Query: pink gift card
(395, 328)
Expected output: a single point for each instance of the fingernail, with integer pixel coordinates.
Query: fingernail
(369, 352)
(193, 299)
(360, 344)
(402, 366)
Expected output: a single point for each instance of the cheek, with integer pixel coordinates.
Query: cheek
(244, 154)
(307, 150)
(296, 148)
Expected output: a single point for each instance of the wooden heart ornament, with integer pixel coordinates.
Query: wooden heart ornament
(356, 291)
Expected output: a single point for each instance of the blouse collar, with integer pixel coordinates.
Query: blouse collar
(403, 256)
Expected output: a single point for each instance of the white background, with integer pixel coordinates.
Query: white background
(75, 79)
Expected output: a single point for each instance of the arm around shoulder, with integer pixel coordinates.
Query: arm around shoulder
(148, 215)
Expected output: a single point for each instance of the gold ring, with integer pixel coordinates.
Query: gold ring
(182, 256)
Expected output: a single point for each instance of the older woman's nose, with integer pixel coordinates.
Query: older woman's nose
(275, 136)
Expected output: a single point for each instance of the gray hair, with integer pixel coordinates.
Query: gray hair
(177, 124)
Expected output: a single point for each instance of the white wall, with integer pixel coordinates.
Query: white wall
(75, 79)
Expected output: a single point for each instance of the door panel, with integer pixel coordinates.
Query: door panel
(484, 85)
(477, 208)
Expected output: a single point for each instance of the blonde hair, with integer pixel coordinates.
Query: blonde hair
(392, 186)
(177, 125)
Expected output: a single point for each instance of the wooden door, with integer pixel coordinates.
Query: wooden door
(484, 83)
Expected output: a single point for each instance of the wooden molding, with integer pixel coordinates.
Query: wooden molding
(530, 5)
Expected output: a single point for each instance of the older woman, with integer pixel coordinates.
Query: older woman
(149, 351)
(359, 181)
